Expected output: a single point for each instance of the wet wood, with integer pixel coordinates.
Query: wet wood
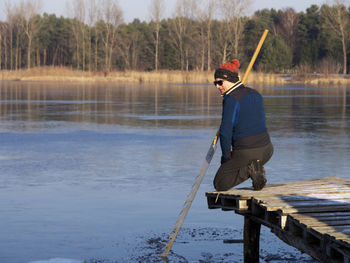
(311, 215)
(251, 237)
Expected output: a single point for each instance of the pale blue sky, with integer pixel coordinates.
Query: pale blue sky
(140, 8)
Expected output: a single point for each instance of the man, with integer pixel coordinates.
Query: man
(244, 140)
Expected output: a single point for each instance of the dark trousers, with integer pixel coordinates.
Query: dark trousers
(235, 171)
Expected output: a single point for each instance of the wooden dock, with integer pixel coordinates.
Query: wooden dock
(312, 216)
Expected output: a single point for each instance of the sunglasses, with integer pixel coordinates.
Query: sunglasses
(218, 82)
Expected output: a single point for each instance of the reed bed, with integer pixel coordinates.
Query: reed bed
(64, 74)
(329, 80)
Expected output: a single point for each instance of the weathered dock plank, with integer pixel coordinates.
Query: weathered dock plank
(311, 215)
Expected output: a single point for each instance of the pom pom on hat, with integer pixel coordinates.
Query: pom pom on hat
(231, 66)
(228, 71)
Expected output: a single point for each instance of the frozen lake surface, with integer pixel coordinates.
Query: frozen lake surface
(99, 173)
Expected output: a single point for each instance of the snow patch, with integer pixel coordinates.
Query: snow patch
(57, 260)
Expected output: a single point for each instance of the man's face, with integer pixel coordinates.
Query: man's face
(226, 85)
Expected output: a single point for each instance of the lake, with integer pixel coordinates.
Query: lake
(99, 172)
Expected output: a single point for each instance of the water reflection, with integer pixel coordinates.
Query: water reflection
(184, 107)
(131, 105)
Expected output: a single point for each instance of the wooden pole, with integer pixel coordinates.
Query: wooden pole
(251, 238)
(256, 53)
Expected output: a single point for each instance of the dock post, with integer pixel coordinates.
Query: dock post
(251, 240)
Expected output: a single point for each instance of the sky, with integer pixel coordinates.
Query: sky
(140, 8)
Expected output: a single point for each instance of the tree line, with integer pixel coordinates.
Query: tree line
(93, 37)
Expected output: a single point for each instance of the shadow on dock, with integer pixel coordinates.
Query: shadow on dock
(317, 226)
(312, 216)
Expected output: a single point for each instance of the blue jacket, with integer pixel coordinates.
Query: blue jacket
(243, 123)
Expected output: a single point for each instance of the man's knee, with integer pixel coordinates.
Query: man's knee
(226, 182)
(221, 187)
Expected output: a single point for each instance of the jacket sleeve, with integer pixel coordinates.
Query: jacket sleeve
(230, 108)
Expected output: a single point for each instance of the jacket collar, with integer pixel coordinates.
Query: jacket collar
(235, 86)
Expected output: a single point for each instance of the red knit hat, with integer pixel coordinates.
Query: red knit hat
(231, 66)
(228, 71)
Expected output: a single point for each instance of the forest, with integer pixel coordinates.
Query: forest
(94, 37)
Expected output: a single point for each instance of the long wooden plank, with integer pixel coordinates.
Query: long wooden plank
(313, 186)
(323, 227)
(311, 224)
(284, 190)
(320, 215)
(266, 196)
(262, 193)
(327, 230)
(330, 179)
(320, 218)
(309, 197)
(332, 221)
(297, 204)
(292, 210)
(283, 187)
(310, 185)
(311, 182)
(276, 187)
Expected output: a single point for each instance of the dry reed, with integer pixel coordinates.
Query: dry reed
(328, 80)
(162, 76)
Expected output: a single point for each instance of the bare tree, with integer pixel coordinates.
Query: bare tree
(29, 9)
(75, 29)
(205, 12)
(5, 39)
(2, 33)
(124, 47)
(210, 14)
(232, 12)
(289, 24)
(336, 18)
(92, 19)
(18, 28)
(181, 28)
(77, 13)
(112, 17)
(80, 16)
(201, 17)
(134, 49)
(10, 22)
(157, 9)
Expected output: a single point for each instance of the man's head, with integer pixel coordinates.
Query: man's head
(226, 75)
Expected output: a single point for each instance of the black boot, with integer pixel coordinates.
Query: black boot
(257, 173)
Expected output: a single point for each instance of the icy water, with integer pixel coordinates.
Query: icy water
(99, 173)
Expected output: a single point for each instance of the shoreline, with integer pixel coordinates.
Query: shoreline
(64, 74)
